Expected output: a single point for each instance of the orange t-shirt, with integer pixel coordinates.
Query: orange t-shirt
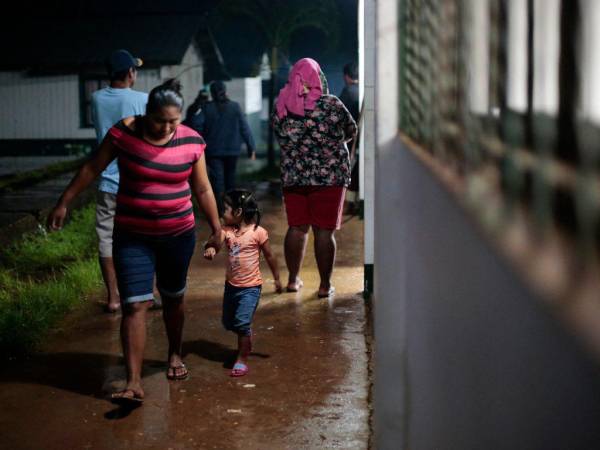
(243, 248)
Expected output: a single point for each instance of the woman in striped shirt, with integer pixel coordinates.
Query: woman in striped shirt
(154, 221)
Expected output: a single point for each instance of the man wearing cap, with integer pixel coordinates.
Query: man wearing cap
(109, 105)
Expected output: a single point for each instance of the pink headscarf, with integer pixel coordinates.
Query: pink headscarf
(292, 97)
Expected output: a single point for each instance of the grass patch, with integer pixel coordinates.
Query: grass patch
(41, 254)
(24, 179)
(44, 276)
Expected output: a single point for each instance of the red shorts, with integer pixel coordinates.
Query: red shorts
(320, 206)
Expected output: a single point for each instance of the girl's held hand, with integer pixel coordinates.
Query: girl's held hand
(278, 287)
(215, 241)
(210, 253)
(56, 218)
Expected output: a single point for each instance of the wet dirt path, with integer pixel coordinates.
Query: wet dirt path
(307, 387)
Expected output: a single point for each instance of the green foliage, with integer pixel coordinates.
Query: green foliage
(45, 253)
(43, 277)
(279, 20)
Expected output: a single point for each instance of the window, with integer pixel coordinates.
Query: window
(505, 95)
(88, 84)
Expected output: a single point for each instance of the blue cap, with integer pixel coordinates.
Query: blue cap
(121, 60)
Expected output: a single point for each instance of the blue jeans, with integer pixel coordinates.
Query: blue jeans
(138, 257)
(221, 173)
(239, 304)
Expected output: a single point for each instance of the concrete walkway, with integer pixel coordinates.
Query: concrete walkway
(307, 388)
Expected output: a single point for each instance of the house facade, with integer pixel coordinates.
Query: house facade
(47, 98)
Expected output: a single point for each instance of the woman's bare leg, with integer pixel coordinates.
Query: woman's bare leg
(174, 318)
(295, 247)
(133, 339)
(109, 276)
(325, 250)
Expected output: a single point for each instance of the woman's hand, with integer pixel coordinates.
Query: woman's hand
(56, 218)
(84, 177)
(210, 253)
(213, 245)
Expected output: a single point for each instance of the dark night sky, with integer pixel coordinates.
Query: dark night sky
(238, 40)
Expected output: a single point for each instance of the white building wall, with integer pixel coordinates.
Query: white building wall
(147, 79)
(390, 265)
(48, 107)
(478, 14)
(589, 57)
(189, 72)
(247, 92)
(367, 27)
(465, 356)
(40, 107)
(546, 43)
(516, 83)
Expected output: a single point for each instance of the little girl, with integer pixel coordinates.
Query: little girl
(245, 239)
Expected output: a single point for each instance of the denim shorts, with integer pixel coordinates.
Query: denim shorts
(138, 257)
(239, 304)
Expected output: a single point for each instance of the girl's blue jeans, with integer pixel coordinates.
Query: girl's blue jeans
(239, 305)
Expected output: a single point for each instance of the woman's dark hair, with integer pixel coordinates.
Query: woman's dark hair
(218, 92)
(166, 94)
(243, 199)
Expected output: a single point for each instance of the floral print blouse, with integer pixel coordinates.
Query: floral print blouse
(313, 147)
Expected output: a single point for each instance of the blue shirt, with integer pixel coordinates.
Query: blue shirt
(224, 128)
(109, 105)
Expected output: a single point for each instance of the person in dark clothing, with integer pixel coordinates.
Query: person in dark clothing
(349, 97)
(223, 126)
(195, 108)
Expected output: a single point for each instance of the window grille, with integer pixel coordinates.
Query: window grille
(505, 96)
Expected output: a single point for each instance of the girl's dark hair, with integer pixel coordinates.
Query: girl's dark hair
(166, 94)
(243, 199)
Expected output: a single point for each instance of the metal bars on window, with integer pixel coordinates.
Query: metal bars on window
(507, 94)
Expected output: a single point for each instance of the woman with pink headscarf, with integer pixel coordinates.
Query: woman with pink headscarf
(312, 128)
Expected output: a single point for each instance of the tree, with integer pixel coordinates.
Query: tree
(278, 21)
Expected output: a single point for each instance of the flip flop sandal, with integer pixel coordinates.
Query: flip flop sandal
(126, 400)
(299, 283)
(179, 377)
(327, 294)
(239, 370)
